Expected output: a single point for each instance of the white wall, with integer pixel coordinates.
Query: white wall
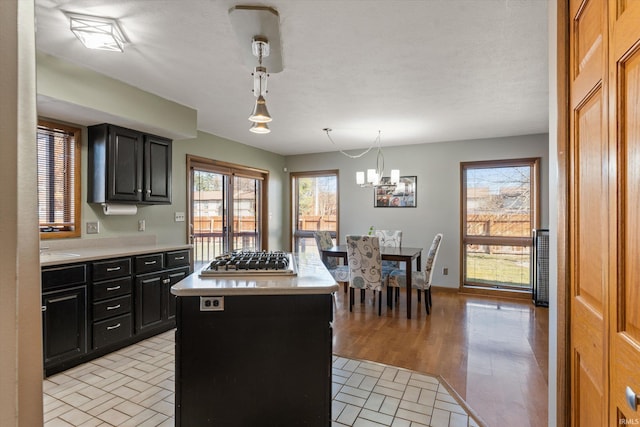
(437, 167)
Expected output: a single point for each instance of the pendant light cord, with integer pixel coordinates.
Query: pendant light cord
(354, 156)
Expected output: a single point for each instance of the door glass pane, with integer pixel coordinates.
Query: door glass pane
(209, 208)
(245, 213)
(315, 208)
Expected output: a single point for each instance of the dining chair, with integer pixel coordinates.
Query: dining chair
(340, 273)
(393, 239)
(365, 267)
(421, 280)
(389, 238)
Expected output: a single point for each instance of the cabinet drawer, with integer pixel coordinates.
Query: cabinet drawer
(147, 263)
(111, 269)
(111, 331)
(178, 258)
(111, 307)
(112, 288)
(64, 276)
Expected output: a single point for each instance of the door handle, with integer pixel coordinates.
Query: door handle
(632, 398)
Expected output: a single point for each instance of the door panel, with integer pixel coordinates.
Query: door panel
(589, 213)
(624, 66)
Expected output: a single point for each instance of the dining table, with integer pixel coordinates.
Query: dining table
(402, 254)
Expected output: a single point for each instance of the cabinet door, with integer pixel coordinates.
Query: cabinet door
(149, 301)
(124, 170)
(173, 277)
(64, 324)
(157, 170)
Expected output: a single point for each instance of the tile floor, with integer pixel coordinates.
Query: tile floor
(135, 387)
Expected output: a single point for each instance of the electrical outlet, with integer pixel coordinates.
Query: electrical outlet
(93, 227)
(445, 271)
(179, 217)
(141, 225)
(211, 303)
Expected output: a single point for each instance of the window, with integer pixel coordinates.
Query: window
(58, 180)
(500, 209)
(227, 212)
(315, 207)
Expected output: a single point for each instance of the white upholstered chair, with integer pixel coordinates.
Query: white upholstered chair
(421, 280)
(365, 267)
(340, 273)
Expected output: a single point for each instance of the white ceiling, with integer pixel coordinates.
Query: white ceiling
(418, 70)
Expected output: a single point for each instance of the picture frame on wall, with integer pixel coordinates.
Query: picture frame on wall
(402, 195)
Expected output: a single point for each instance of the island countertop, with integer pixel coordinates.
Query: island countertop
(312, 278)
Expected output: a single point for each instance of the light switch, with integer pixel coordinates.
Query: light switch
(179, 217)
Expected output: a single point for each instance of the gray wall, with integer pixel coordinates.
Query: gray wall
(437, 167)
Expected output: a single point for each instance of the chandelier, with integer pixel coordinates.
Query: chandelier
(373, 177)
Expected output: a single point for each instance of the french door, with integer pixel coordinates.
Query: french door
(227, 204)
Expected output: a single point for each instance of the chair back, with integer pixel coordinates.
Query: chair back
(365, 262)
(324, 242)
(431, 257)
(390, 238)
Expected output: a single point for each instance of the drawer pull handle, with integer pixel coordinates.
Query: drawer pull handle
(179, 258)
(165, 281)
(113, 268)
(113, 307)
(150, 262)
(116, 326)
(113, 288)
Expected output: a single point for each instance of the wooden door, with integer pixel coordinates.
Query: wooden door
(624, 129)
(604, 221)
(588, 212)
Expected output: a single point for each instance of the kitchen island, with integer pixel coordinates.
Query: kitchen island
(255, 349)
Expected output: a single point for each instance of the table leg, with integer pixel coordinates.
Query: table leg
(408, 286)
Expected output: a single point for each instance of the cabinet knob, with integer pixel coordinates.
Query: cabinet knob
(139, 190)
(148, 191)
(44, 308)
(165, 281)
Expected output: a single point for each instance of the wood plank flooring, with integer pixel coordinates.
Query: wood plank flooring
(492, 352)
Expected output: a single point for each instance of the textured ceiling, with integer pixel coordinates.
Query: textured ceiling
(419, 71)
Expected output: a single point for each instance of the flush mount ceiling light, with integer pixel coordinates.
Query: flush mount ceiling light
(373, 177)
(97, 32)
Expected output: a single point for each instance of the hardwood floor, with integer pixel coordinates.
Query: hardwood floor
(492, 352)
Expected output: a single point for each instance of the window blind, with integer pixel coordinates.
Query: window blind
(56, 179)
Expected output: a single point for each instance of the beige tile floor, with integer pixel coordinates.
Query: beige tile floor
(135, 387)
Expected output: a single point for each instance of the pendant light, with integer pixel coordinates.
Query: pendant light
(259, 128)
(372, 177)
(260, 114)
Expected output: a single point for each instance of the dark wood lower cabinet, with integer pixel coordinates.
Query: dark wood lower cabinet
(155, 305)
(91, 309)
(64, 322)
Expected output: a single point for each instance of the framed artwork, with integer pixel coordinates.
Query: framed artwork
(402, 195)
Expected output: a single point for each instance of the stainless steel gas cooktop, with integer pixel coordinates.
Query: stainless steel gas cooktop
(250, 263)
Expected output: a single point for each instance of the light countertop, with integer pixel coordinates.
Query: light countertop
(93, 250)
(312, 278)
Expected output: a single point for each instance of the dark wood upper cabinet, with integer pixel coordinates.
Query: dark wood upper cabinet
(127, 166)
